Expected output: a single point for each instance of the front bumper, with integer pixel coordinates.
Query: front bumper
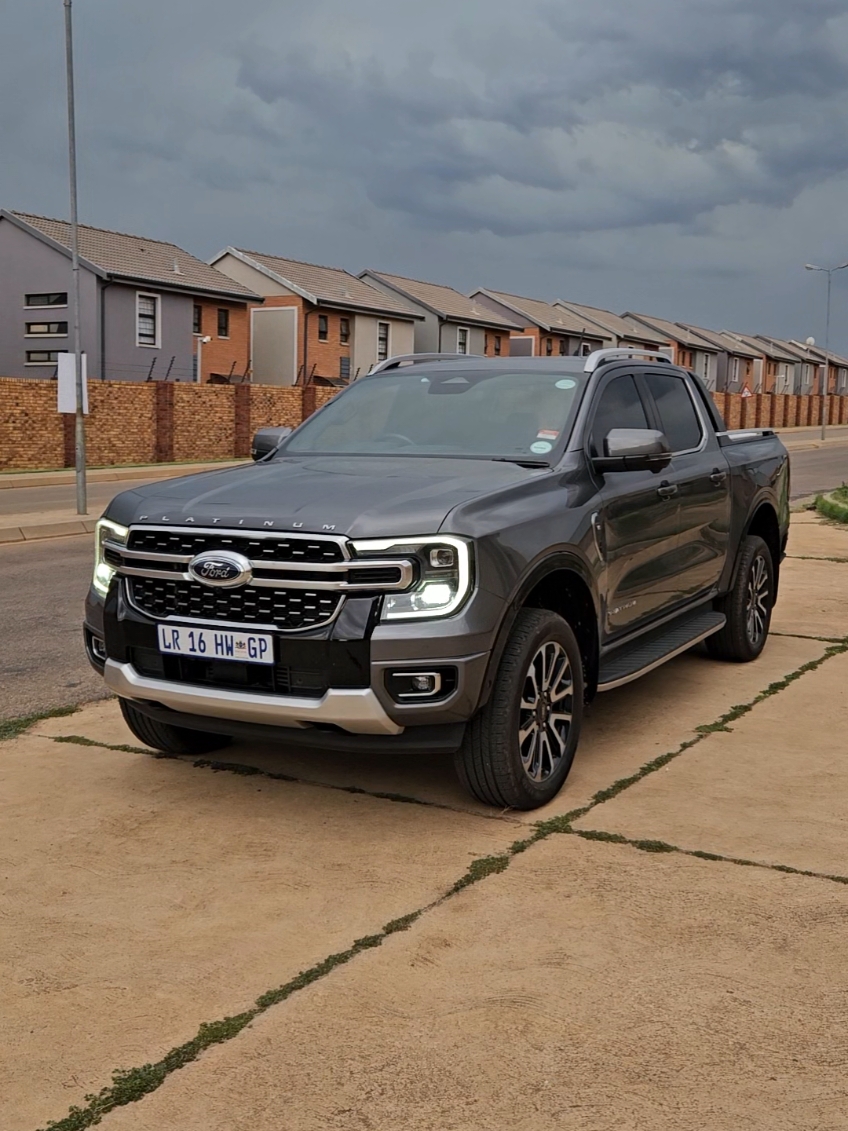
(357, 710)
(367, 710)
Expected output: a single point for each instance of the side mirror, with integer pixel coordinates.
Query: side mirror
(267, 440)
(634, 449)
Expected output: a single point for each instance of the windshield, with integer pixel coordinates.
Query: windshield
(486, 414)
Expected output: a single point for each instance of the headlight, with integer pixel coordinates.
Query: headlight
(103, 572)
(445, 576)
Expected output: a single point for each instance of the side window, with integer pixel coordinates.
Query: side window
(619, 407)
(678, 418)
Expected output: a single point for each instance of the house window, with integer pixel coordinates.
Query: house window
(462, 339)
(147, 320)
(197, 321)
(223, 323)
(382, 341)
(485, 343)
(563, 347)
(497, 345)
(549, 346)
(46, 329)
(49, 298)
(344, 368)
(344, 331)
(43, 357)
(323, 328)
(585, 349)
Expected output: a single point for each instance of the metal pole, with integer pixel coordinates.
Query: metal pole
(825, 386)
(79, 431)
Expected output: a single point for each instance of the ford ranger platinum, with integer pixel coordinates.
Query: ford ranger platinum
(454, 554)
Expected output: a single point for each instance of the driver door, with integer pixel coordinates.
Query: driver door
(637, 525)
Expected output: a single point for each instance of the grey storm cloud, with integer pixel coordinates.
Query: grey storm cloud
(626, 152)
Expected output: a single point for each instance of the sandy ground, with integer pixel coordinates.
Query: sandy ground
(580, 983)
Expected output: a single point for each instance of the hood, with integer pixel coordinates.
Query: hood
(361, 497)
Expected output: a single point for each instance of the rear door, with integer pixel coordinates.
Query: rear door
(699, 473)
(636, 528)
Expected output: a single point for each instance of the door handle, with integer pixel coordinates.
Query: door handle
(718, 477)
(667, 490)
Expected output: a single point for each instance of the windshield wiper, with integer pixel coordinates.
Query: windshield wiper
(520, 461)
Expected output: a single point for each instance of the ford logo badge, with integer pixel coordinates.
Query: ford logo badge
(221, 569)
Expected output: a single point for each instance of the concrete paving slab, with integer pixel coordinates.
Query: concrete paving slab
(772, 790)
(589, 987)
(813, 599)
(624, 729)
(818, 540)
(142, 897)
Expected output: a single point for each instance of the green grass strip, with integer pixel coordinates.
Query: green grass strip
(131, 1085)
(11, 728)
(834, 506)
(659, 846)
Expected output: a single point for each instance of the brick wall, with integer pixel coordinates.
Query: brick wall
(157, 422)
(31, 430)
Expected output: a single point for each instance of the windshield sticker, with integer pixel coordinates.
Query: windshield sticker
(566, 383)
(547, 434)
(540, 447)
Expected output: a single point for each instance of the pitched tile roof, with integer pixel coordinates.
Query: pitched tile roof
(327, 286)
(613, 324)
(545, 315)
(673, 331)
(766, 347)
(727, 342)
(446, 302)
(138, 258)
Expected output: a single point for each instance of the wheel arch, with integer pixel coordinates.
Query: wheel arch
(763, 523)
(563, 584)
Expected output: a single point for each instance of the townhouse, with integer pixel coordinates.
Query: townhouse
(147, 307)
(317, 324)
(688, 349)
(451, 322)
(779, 364)
(543, 330)
(620, 331)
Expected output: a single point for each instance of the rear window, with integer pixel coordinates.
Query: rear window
(678, 418)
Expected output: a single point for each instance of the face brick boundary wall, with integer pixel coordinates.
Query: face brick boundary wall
(160, 422)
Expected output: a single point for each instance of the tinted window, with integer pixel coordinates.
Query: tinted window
(619, 407)
(678, 418)
(470, 412)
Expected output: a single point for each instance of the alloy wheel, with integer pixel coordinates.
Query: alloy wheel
(757, 605)
(545, 713)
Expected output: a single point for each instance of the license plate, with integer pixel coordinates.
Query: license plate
(214, 644)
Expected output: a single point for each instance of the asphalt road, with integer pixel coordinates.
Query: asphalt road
(42, 662)
(62, 496)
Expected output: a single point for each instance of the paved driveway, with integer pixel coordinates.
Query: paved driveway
(302, 940)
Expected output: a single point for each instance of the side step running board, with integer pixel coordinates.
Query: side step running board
(655, 648)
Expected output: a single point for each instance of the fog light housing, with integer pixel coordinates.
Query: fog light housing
(431, 685)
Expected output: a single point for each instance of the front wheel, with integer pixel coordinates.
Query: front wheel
(519, 748)
(747, 606)
(167, 738)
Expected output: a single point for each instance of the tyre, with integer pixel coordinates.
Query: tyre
(170, 739)
(519, 748)
(747, 606)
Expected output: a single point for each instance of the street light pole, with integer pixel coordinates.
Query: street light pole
(79, 422)
(829, 271)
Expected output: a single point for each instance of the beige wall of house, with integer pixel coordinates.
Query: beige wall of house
(365, 334)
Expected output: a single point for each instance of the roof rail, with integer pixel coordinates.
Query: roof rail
(601, 357)
(416, 358)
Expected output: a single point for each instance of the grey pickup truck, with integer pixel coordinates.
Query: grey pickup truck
(455, 554)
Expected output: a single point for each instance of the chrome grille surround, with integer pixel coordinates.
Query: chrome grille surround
(299, 580)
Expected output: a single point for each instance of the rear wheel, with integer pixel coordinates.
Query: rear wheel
(747, 606)
(518, 750)
(167, 738)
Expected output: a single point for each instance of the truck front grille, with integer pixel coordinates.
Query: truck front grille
(285, 609)
(267, 547)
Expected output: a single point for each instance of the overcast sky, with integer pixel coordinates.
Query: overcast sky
(679, 157)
